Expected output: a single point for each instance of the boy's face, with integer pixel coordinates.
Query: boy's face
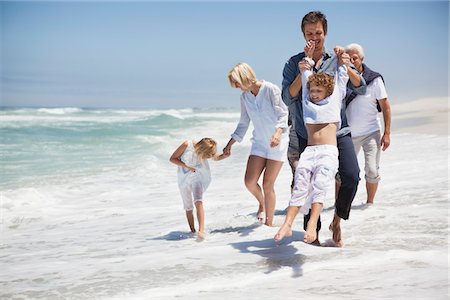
(317, 93)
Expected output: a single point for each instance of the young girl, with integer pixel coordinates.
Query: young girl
(194, 176)
(261, 103)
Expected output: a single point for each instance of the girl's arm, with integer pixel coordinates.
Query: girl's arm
(176, 155)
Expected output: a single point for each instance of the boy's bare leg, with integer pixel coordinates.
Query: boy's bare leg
(190, 218)
(200, 219)
(286, 228)
(335, 227)
(371, 191)
(311, 233)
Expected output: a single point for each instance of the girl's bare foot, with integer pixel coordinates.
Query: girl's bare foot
(285, 230)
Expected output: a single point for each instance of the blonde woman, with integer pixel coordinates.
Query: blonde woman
(262, 105)
(194, 177)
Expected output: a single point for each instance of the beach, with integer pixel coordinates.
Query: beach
(90, 209)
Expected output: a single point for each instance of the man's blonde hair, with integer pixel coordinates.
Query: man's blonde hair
(243, 74)
(323, 80)
(206, 148)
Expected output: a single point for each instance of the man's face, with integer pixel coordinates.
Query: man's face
(314, 32)
(355, 59)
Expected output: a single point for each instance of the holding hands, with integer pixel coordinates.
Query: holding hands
(343, 57)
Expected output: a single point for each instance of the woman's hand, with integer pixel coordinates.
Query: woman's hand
(275, 140)
(227, 151)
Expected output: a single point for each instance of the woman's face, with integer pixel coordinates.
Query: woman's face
(314, 32)
(355, 59)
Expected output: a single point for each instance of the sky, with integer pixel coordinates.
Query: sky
(162, 55)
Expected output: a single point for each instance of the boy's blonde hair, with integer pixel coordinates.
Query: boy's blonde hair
(323, 80)
(206, 148)
(243, 74)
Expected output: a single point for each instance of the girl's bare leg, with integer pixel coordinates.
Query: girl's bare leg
(311, 233)
(271, 172)
(255, 166)
(190, 218)
(286, 228)
(200, 218)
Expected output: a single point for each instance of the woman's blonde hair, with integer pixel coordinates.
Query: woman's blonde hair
(323, 80)
(205, 148)
(243, 74)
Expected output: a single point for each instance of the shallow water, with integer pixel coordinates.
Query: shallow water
(90, 210)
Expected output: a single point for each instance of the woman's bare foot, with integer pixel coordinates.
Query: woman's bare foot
(260, 214)
(285, 230)
(335, 227)
(200, 236)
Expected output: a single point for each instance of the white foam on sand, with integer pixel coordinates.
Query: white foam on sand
(123, 234)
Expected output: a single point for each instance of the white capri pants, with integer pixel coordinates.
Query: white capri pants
(371, 145)
(314, 176)
(191, 193)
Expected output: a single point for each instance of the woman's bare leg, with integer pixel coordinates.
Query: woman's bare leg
(271, 172)
(255, 166)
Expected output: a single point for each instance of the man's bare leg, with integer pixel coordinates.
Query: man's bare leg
(371, 191)
(335, 227)
(286, 228)
(190, 218)
(200, 219)
(311, 233)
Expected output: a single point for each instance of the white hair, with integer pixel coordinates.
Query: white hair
(355, 47)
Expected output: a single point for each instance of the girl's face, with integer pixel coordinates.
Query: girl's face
(317, 93)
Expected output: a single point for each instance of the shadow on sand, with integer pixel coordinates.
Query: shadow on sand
(175, 236)
(276, 255)
(241, 230)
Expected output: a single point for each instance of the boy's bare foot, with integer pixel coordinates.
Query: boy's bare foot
(335, 227)
(310, 234)
(285, 230)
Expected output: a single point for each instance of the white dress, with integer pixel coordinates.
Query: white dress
(187, 178)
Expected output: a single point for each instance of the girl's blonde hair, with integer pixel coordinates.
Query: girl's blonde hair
(205, 148)
(243, 74)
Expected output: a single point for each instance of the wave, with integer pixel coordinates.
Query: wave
(60, 111)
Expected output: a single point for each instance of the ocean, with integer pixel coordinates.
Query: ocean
(90, 209)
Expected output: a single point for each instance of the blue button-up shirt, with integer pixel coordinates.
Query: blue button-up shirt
(328, 66)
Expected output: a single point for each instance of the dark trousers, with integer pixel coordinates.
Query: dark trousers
(349, 176)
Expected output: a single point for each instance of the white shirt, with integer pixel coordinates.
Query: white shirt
(202, 172)
(362, 113)
(266, 111)
(327, 110)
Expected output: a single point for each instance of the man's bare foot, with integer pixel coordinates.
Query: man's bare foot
(335, 227)
(285, 230)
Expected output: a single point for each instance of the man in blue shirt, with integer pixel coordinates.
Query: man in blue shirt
(314, 28)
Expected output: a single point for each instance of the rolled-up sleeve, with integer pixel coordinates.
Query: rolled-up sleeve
(244, 122)
(289, 73)
(281, 110)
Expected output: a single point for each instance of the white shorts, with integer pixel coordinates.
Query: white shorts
(278, 153)
(314, 176)
(190, 194)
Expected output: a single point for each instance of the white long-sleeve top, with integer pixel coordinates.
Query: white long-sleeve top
(327, 110)
(266, 111)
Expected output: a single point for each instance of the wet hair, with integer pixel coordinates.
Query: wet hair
(205, 148)
(243, 74)
(323, 80)
(314, 17)
(356, 47)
